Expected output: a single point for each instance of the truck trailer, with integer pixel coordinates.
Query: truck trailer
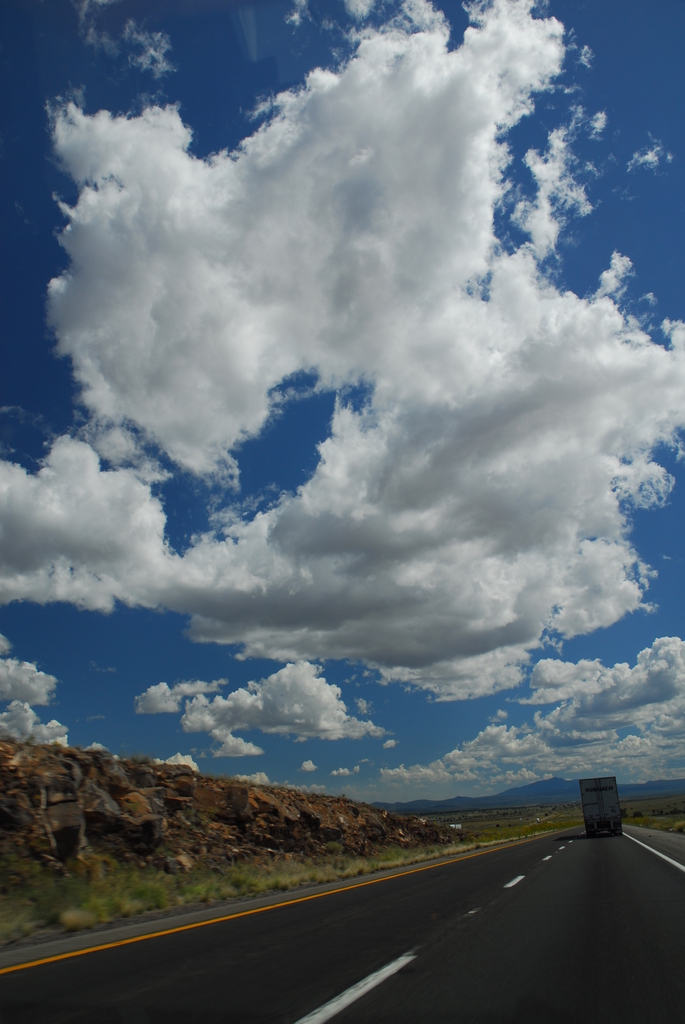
(601, 808)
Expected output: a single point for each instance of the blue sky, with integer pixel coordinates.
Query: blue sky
(343, 388)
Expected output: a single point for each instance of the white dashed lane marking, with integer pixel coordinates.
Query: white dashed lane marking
(351, 995)
(548, 857)
(514, 881)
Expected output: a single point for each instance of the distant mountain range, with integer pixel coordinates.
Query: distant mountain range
(548, 791)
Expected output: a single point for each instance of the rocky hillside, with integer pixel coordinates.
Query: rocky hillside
(57, 803)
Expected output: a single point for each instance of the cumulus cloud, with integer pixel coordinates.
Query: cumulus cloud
(346, 771)
(585, 732)
(71, 532)
(257, 778)
(650, 156)
(558, 193)
(23, 684)
(22, 680)
(163, 699)
(308, 766)
(597, 124)
(184, 759)
(210, 264)
(296, 700)
(613, 280)
(500, 716)
(418, 775)
(20, 722)
(390, 744)
(480, 499)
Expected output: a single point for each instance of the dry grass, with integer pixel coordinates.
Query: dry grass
(77, 920)
(662, 824)
(98, 889)
(507, 834)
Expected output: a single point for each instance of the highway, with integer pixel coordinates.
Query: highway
(556, 929)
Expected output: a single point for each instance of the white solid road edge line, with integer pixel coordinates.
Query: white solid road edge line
(514, 881)
(330, 1009)
(675, 863)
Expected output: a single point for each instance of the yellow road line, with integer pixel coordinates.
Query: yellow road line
(260, 910)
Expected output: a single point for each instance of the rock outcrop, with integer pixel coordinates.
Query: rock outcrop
(56, 803)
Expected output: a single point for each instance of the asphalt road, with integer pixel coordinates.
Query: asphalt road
(593, 929)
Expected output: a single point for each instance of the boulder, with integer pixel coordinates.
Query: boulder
(266, 803)
(143, 777)
(14, 813)
(155, 798)
(238, 799)
(206, 798)
(58, 794)
(181, 780)
(68, 827)
(174, 802)
(99, 807)
(135, 803)
(116, 778)
(145, 832)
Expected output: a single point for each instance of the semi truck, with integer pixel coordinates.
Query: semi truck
(601, 808)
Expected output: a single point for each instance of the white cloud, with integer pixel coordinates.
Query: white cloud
(296, 700)
(346, 771)
(257, 778)
(149, 50)
(23, 684)
(583, 733)
(198, 228)
(650, 156)
(586, 57)
(96, 746)
(161, 698)
(389, 744)
(612, 281)
(20, 722)
(184, 759)
(363, 706)
(418, 775)
(22, 680)
(483, 496)
(73, 533)
(308, 766)
(145, 50)
(597, 124)
(359, 9)
(558, 193)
